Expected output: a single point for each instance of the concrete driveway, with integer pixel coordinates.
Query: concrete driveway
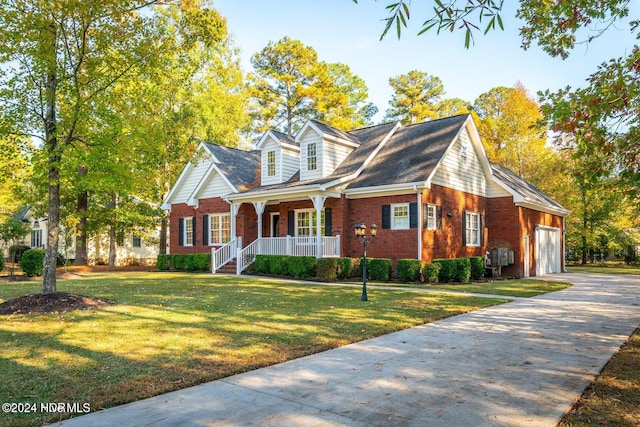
(523, 363)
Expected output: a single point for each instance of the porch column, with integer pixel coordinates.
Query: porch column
(259, 207)
(318, 203)
(234, 209)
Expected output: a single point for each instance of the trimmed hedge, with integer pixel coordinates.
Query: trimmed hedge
(278, 264)
(302, 267)
(378, 268)
(409, 270)
(327, 268)
(163, 262)
(345, 267)
(185, 262)
(448, 269)
(262, 264)
(32, 262)
(477, 267)
(463, 274)
(430, 272)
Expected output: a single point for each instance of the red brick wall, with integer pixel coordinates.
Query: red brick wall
(528, 220)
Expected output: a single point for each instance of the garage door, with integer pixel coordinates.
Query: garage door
(547, 250)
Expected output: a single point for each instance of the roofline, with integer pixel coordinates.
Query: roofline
(543, 208)
(410, 187)
(192, 200)
(166, 205)
(324, 135)
(271, 133)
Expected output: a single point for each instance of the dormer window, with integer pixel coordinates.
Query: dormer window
(312, 158)
(271, 163)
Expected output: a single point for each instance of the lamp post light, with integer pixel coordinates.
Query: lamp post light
(361, 236)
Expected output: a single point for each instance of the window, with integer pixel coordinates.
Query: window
(472, 228)
(431, 218)
(136, 241)
(400, 217)
(36, 238)
(312, 158)
(464, 154)
(306, 222)
(188, 231)
(271, 163)
(220, 226)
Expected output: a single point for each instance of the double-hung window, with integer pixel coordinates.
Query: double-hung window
(136, 241)
(431, 217)
(220, 226)
(472, 228)
(271, 163)
(400, 217)
(188, 231)
(306, 223)
(312, 156)
(36, 238)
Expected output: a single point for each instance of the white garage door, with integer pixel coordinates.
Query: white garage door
(547, 250)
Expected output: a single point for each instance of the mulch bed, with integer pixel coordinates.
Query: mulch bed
(59, 302)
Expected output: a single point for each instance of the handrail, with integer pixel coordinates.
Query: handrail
(224, 254)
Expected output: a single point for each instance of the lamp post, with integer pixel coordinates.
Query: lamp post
(361, 236)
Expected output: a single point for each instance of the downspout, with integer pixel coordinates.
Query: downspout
(419, 219)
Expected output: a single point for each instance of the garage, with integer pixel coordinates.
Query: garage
(548, 250)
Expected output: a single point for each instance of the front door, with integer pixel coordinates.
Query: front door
(275, 219)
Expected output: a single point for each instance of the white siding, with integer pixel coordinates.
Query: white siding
(214, 187)
(494, 190)
(309, 137)
(290, 163)
(334, 154)
(463, 176)
(191, 180)
(265, 179)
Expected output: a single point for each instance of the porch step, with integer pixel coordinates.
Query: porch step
(228, 268)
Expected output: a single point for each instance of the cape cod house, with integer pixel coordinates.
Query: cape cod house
(429, 187)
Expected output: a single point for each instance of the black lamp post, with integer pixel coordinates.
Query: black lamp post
(361, 236)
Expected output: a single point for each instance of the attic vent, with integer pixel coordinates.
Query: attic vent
(464, 154)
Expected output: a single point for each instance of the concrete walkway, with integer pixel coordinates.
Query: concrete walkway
(523, 363)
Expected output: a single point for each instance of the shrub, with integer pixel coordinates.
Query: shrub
(31, 262)
(177, 261)
(409, 270)
(431, 272)
(448, 269)
(464, 270)
(278, 264)
(327, 268)
(378, 268)
(262, 263)
(302, 266)
(1, 263)
(202, 262)
(477, 267)
(164, 262)
(344, 267)
(16, 251)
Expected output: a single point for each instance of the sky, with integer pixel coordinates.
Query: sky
(349, 33)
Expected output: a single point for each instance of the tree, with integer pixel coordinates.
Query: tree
(416, 96)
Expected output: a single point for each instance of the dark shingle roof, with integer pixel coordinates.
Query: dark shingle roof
(241, 168)
(287, 139)
(411, 154)
(336, 133)
(523, 188)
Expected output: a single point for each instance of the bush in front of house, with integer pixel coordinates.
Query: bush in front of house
(163, 262)
(32, 262)
(185, 262)
(16, 251)
(279, 264)
(202, 262)
(345, 267)
(448, 269)
(262, 264)
(327, 268)
(378, 268)
(177, 261)
(431, 272)
(477, 267)
(302, 267)
(1, 263)
(463, 274)
(409, 270)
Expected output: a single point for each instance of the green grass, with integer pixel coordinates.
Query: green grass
(617, 268)
(173, 330)
(515, 288)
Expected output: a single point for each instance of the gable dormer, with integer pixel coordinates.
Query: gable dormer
(280, 155)
(322, 149)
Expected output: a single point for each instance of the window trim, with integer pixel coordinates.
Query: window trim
(188, 231)
(36, 232)
(219, 229)
(312, 222)
(312, 160)
(271, 165)
(393, 217)
(469, 231)
(134, 238)
(429, 208)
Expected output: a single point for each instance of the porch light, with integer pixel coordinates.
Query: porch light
(360, 231)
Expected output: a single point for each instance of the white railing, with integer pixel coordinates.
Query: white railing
(224, 254)
(298, 246)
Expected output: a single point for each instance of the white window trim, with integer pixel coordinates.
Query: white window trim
(312, 224)
(188, 231)
(220, 216)
(432, 209)
(314, 157)
(271, 164)
(395, 226)
(467, 229)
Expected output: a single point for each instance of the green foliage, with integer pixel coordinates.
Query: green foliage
(163, 262)
(327, 269)
(448, 269)
(302, 266)
(378, 268)
(415, 98)
(278, 264)
(16, 251)
(262, 264)
(477, 267)
(177, 261)
(409, 270)
(345, 267)
(32, 262)
(463, 273)
(431, 272)
(1, 262)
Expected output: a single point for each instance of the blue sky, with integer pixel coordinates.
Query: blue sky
(342, 31)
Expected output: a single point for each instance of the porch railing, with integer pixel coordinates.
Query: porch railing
(298, 246)
(224, 254)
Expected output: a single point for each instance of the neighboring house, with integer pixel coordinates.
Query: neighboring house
(132, 249)
(429, 187)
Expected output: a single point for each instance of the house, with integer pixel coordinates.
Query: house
(133, 249)
(429, 187)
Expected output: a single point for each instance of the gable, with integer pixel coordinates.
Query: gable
(214, 186)
(192, 175)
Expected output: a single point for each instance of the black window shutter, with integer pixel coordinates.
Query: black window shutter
(386, 216)
(181, 232)
(481, 230)
(193, 235)
(205, 229)
(413, 215)
(291, 225)
(328, 225)
(464, 228)
(439, 217)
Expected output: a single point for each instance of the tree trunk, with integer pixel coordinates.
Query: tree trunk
(81, 227)
(112, 232)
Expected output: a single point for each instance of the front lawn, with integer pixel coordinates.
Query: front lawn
(616, 268)
(516, 288)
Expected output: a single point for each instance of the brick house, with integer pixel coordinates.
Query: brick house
(429, 187)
